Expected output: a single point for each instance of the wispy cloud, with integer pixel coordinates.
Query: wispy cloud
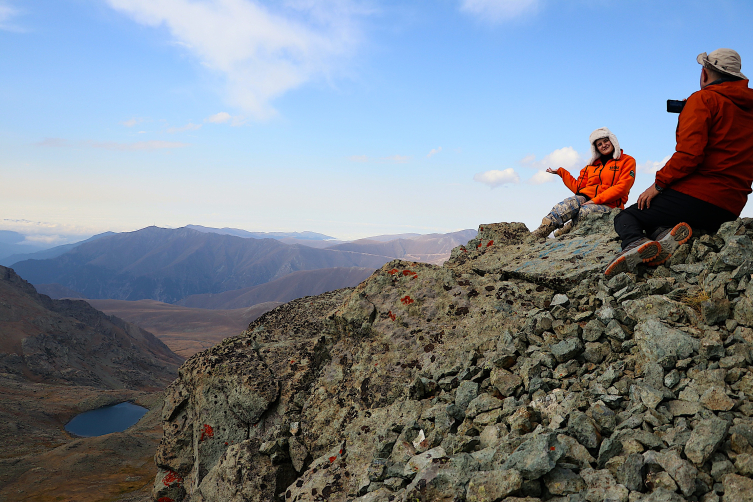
(137, 146)
(433, 152)
(188, 127)
(132, 122)
(262, 51)
(498, 10)
(52, 142)
(495, 178)
(566, 157)
(651, 166)
(397, 159)
(40, 231)
(112, 145)
(218, 118)
(7, 14)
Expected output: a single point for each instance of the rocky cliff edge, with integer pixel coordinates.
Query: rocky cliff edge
(514, 372)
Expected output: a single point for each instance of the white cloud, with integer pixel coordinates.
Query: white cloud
(498, 10)
(188, 127)
(542, 177)
(52, 142)
(397, 159)
(495, 178)
(651, 166)
(113, 145)
(132, 122)
(358, 158)
(433, 152)
(35, 230)
(137, 146)
(262, 50)
(218, 118)
(7, 13)
(566, 157)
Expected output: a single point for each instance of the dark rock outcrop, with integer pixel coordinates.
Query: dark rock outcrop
(70, 342)
(513, 372)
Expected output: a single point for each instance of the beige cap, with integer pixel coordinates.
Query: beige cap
(724, 61)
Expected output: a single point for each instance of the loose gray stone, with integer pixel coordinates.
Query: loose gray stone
(490, 486)
(560, 299)
(535, 457)
(466, 392)
(593, 330)
(602, 486)
(658, 342)
(737, 488)
(482, 404)
(610, 448)
(630, 472)
(705, 439)
(561, 481)
(720, 468)
(567, 349)
(662, 495)
(583, 429)
(683, 472)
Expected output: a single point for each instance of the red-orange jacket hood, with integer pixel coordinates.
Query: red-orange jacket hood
(737, 92)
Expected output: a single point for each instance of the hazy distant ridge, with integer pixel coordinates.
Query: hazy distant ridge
(170, 264)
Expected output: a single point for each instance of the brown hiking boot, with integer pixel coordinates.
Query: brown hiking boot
(670, 240)
(545, 228)
(640, 251)
(562, 231)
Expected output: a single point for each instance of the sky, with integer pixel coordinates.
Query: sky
(345, 117)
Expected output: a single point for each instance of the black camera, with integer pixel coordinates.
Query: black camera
(675, 105)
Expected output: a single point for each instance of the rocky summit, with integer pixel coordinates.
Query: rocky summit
(514, 372)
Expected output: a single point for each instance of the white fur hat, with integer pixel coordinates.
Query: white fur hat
(600, 133)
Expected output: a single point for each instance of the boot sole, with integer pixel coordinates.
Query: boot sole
(678, 236)
(629, 260)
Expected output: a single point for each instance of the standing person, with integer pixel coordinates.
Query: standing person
(602, 185)
(707, 180)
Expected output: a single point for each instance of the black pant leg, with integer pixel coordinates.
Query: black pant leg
(667, 210)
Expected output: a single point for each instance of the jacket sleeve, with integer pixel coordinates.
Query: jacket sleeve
(568, 180)
(622, 186)
(692, 136)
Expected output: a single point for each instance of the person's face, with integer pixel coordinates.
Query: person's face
(604, 146)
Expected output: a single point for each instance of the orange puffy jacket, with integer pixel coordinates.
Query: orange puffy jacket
(714, 157)
(608, 185)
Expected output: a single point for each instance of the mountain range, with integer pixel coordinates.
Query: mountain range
(169, 265)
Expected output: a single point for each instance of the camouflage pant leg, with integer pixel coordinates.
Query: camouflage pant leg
(572, 208)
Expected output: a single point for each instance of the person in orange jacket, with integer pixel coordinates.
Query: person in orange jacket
(603, 185)
(707, 180)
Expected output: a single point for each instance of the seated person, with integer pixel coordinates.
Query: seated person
(602, 185)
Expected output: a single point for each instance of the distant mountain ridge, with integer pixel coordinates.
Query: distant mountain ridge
(68, 341)
(306, 235)
(170, 264)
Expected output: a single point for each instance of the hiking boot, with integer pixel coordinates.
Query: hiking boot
(562, 231)
(545, 228)
(670, 240)
(640, 251)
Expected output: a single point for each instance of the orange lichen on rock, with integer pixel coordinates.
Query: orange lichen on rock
(206, 433)
(172, 477)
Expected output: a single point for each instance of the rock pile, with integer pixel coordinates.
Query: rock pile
(515, 372)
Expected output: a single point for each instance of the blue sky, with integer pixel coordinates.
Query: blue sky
(346, 117)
